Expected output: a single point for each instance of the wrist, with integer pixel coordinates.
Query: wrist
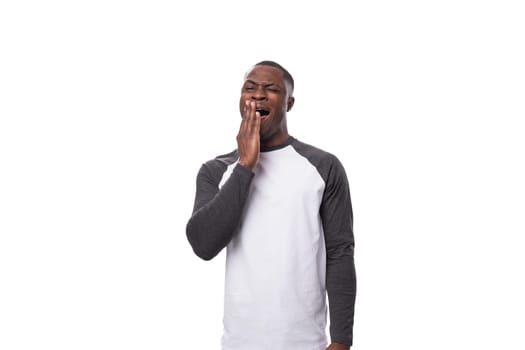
(338, 346)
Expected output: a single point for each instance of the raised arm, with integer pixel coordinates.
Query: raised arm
(217, 212)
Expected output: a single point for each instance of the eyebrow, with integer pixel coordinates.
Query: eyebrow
(267, 84)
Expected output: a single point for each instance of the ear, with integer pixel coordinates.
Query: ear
(290, 103)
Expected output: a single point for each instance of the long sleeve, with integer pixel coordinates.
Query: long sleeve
(217, 211)
(337, 217)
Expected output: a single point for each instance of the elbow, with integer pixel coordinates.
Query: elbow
(201, 252)
(197, 243)
(203, 255)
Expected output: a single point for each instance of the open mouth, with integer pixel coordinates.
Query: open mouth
(263, 112)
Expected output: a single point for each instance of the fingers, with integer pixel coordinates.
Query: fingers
(251, 122)
(249, 110)
(248, 137)
(257, 125)
(253, 117)
(245, 119)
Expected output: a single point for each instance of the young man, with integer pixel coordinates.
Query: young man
(283, 210)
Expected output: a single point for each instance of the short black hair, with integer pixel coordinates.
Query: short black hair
(287, 76)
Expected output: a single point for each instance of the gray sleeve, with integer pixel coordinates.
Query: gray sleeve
(217, 212)
(337, 217)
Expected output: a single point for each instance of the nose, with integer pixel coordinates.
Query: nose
(259, 94)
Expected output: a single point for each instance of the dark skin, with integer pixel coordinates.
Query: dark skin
(265, 90)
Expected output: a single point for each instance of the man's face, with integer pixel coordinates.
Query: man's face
(265, 85)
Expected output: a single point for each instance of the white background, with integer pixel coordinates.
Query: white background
(108, 109)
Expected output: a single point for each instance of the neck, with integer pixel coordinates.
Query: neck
(276, 140)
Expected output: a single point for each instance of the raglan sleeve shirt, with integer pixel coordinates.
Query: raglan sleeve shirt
(218, 210)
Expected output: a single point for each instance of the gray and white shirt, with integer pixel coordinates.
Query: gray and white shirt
(287, 226)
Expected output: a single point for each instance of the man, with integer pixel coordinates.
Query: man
(283, 210)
